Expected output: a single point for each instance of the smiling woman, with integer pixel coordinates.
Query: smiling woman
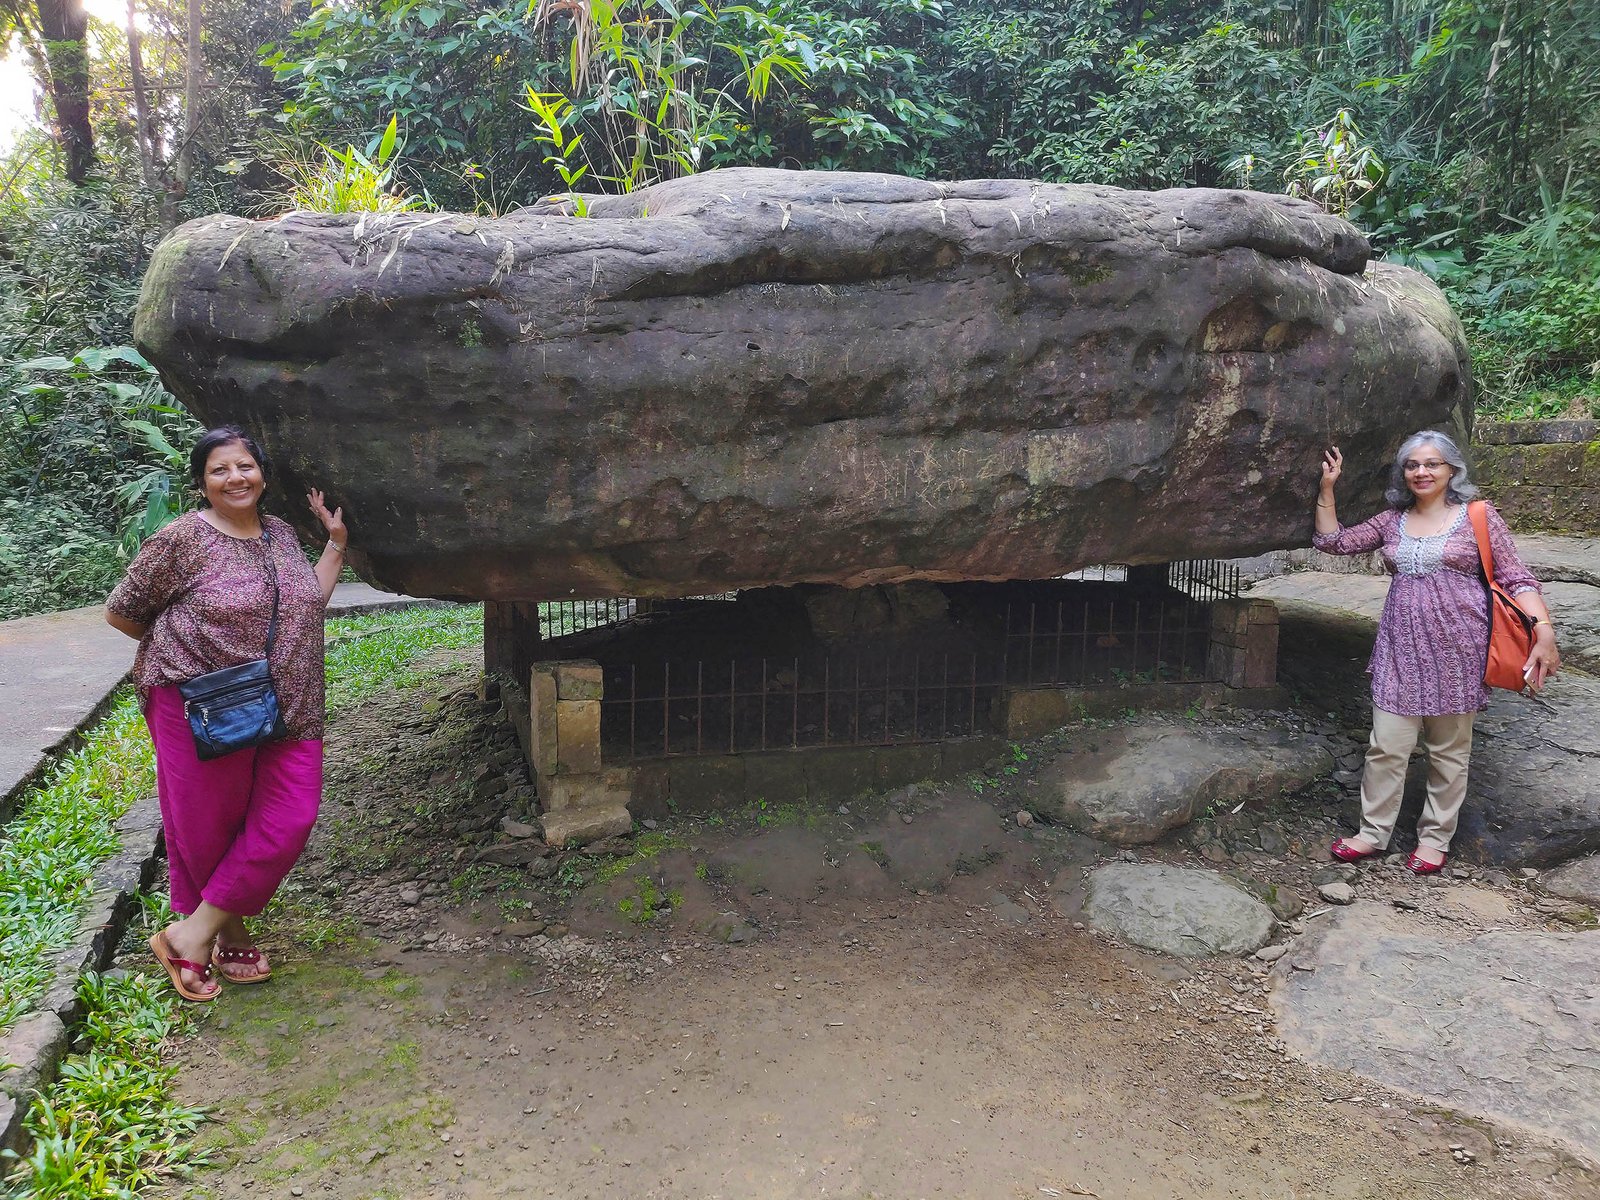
(1428, 661)
(223, 588)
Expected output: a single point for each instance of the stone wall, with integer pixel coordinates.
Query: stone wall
(1541, 475)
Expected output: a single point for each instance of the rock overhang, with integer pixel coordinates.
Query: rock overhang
(751, 377)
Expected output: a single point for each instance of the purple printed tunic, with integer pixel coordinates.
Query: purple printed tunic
(1433, 636)
(206, 601)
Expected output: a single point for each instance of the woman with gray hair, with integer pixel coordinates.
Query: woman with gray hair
(1428, 662)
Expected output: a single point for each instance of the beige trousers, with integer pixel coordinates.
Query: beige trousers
(1448, 740)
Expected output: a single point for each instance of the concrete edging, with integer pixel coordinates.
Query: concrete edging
(32, 1050)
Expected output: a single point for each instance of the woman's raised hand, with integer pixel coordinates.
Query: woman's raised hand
(333, 521)
(1332, 467)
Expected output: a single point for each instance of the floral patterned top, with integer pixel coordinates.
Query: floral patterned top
(1433, 636)
(206, 601)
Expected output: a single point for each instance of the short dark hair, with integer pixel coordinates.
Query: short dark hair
(223, 435)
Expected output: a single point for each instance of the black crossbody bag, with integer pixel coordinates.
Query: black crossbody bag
(236, 707)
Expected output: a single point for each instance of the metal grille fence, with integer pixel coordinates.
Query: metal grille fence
(1072, 637)
(558, 618)
(1205, 578)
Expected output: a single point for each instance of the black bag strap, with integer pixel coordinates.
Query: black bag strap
(272, 574)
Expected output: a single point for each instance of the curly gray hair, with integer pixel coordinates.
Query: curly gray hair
(1459, 490)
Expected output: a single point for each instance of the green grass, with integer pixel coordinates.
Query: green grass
(65, 829)
(108, 1126)
(381, 650)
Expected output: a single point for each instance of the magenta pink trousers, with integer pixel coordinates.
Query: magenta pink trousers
(234, 825)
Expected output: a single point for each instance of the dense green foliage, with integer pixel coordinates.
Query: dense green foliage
(1464, 137)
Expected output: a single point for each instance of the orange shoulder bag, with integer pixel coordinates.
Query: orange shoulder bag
(1510, 628)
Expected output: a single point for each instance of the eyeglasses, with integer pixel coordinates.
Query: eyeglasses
(1411, 466)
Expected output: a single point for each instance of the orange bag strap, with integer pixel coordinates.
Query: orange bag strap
(1478, 515)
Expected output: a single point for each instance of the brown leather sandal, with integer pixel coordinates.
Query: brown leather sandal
(175, 966)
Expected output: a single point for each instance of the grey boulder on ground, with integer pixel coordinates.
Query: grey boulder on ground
(1578, 880)
(1189, 913)
(1501, 1026)
(752, 376)
(1133, 783)
(1534, 794)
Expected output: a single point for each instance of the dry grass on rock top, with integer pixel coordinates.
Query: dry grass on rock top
(893, 1000)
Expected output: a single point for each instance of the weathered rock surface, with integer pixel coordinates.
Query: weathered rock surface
(1178, 911)
(754, 376)
(1534, 793)
(1578, 880)
(1501, 1026)
(1133, 783)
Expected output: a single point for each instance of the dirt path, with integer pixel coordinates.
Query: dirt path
(933, 1025)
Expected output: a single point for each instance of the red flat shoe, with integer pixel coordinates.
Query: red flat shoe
(1419, 866)
(1345, 852)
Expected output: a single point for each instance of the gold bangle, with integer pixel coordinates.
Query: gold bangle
(1544, 621)
(335, 547)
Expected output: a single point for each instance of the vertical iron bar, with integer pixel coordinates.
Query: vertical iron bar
(1083, 649)
(916, 697)
(1188, 632)
(1005, 648)
(1055, 672)
(944, 702)
(855, 708)
(972, 693)
(827, 684)
(1033, 621)
(1161, 634)
(1136, 641)
(887, 671)
(1111, 632)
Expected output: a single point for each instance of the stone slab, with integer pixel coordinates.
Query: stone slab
(1523, 433)
(1501, 1026)
(1132, 783)
(1578, 880)
(1176, 910)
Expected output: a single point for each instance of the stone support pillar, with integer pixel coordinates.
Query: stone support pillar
(1244, 643)
(582, 799)
(510, 638)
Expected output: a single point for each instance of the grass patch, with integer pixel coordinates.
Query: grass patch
(647, 900)
(108, 1126)
(65, 830)
(368, 653)
(645, 847)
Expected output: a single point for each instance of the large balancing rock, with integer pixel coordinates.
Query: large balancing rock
(753, 377)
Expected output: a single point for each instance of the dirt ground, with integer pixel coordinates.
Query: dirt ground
(892, 999)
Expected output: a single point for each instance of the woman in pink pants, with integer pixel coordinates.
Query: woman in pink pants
(199, 596)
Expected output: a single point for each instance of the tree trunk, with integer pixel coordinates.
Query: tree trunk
(63, 26)
(193, 75)
(144, 128)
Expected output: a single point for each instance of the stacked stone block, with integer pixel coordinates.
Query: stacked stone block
(1541, 475)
